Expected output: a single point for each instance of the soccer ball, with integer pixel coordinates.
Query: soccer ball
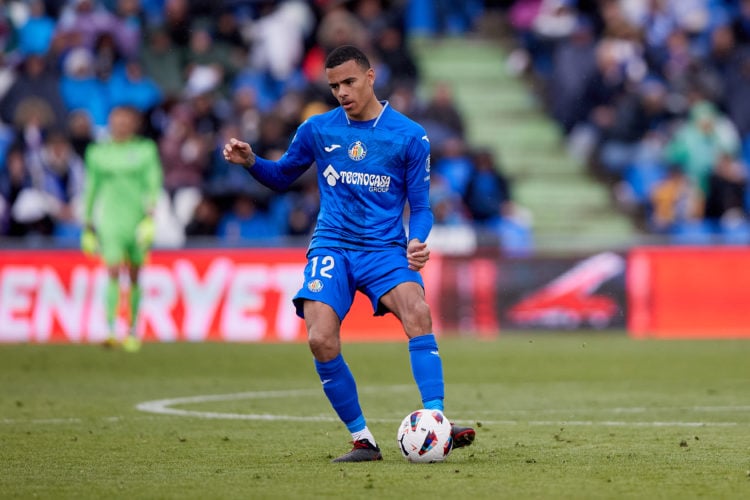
(425, 436)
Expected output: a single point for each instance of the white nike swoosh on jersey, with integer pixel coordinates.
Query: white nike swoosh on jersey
(325, 381)
(332, 147)
(435, 353)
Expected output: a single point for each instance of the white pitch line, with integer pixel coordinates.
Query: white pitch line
(622, 410)
(164, 407)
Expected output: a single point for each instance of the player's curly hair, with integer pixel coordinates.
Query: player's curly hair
(345, 53)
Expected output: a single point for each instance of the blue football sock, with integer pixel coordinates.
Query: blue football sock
(427, 368)
(341, 390)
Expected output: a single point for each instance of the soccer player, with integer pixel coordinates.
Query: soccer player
(123, 182)
(370, 160)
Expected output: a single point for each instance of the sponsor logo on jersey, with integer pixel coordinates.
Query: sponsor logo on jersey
(331, 175)
(374, 182)
(332, 147)
(357, 150)
(315, 286)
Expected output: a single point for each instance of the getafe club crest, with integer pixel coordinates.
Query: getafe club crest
(315, 285)
(357, 151)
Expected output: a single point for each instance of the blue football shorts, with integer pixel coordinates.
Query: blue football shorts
(334, 275)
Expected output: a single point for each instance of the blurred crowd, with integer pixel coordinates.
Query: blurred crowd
(200, 72)
(655, 96)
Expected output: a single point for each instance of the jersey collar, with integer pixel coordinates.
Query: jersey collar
(375, 123)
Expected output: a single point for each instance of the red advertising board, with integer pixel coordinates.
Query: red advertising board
(689, 292)
(244, 295)
(241, 295)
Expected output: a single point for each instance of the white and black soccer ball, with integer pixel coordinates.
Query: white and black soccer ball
(425, 436)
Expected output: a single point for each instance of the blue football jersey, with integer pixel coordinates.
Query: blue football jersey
(367, 171)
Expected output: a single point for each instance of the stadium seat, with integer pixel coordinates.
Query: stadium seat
(642, 177)
(67, 233)
(694, 233)
(421, 18)
(515, 238)
(735, 233)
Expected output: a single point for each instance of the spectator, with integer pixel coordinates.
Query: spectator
(108, 58)
(724, 52)
(602, 89)
(338, 26)
(80, 88)
(441, 117)
(455, 165)
(80, 131)
(741, 23)
(228, 32)
(737, 94)
(220, 179)
(727, 190)
(35, 35)
(129, 86)
(204, 55)
(404, 99)
(446, 204)
(162, 61)
(83, 23)
(278, 40)
(637, 115)
(33, 118)
(8, 33)
(572, 67)
(246, 222)
(205, 116)
(184, 153)
(487, 196)
(177, 22)
(676, 201)
(36, 81)
(304, 207)
(57, 172)
(274, 135)
(246, 114)
(657, 20)
(542, 25)
(697, 144)
(677, 60)
(15, 178)
(205, 220)
(396, 55)
(373, 16)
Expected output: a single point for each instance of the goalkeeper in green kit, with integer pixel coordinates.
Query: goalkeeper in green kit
(123, 181)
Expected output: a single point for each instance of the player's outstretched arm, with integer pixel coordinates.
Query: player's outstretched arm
(417, 254)
(239, 152)
(274, 174)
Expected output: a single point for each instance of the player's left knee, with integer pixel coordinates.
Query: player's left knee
(418, 319)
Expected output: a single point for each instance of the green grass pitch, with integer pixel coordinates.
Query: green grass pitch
(558, 416)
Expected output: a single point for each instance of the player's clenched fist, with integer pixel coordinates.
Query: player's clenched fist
(417, 254)
(239, 152)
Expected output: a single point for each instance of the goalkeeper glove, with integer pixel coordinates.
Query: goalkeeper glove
(89, 242)
(144, 232)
